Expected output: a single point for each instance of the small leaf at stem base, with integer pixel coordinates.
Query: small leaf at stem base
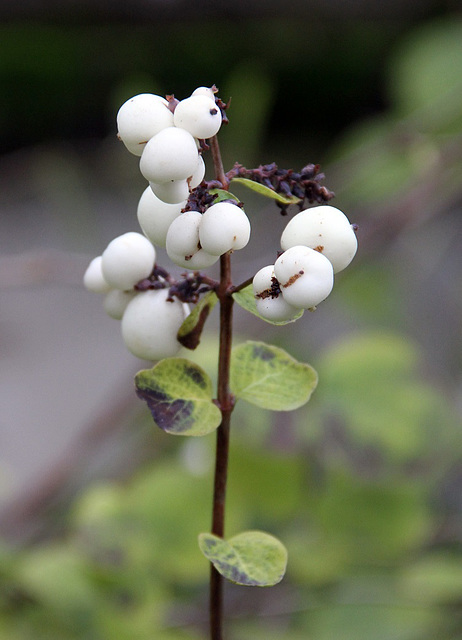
(179, 395)
(222, 195)
(252, 558)
(245, 298)
(189, 334)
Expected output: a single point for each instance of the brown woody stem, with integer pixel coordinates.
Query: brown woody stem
(226, 403)
(218, 163)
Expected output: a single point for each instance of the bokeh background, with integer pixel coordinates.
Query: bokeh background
(100, 510)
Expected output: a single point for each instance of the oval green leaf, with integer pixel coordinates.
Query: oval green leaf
(189, 334)
(265, 191)
(179, 395)
(270, 378)
(252, 558)
(245, 298)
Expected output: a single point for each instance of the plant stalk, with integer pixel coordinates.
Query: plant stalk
(226, 403)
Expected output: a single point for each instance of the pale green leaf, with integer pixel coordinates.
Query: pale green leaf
(246, 299)
(270, 378)
(222, 194)
(179, 394)
(190, 332)
(265, 191)
(252, 558)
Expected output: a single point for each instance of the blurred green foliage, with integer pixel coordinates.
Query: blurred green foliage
(354, 501)
(360, 492)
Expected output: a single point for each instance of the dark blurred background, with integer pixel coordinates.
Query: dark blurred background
(99, 510)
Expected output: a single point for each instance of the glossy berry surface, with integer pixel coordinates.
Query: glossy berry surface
(306, 276)
(150, 324)
(224, 226)
(172, 154)
(140, 118)
(128, 259)
(269, 300)
(199, 115)
(155, 216)
(325, 229)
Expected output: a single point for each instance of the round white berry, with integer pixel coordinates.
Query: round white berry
(155, 216)
(116, 302)
(205, 91)
(306, 276)
(183, 234)
(194, 262)
(140, 118)
(171, 192)
(199, 115)
(172, 154)
(198, 174)
(269, 301)
(128, 259)
(224, 226)
(325, 229)
(94, 279)
(183, 245)
(150, 325)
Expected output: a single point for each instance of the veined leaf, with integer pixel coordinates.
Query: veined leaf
(265, 191)
(252, 558)
(246, 299)
(190, 332)
(179, 394)
(270, 378)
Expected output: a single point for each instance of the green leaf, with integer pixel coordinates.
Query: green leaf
(252, 558)
(245, 298)
(434, 578)
(222, 195)
(179, 394)
(270, 378)
(190, 332)
(372, 380)
(265, 191)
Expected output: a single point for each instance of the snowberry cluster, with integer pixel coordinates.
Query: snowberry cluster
(316, 243)
(149, 321)
(169, 136)
(182, 213)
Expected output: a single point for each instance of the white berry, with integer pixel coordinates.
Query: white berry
(150, 325)
(172, 154)
(325, 229)
(116, 301)
(224, 227)
(171, 192)
(271, 304)
(199, 260)
(199, 115)
(198, 174)
(94, 279)
(204, 91)
(140, 118)
(155, 216)
(183, 245)
(306, 276)
(128, 259)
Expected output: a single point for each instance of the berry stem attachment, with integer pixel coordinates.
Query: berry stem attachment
(239, 287)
